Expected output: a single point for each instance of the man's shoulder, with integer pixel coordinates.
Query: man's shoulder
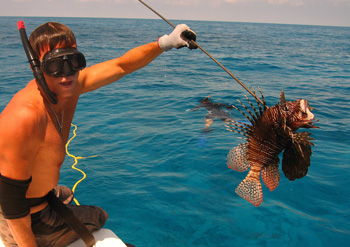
(22, 113)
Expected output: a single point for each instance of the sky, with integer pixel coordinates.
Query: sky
(306, 12)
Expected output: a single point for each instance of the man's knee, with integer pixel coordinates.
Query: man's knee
(105, 214)
(103, 217)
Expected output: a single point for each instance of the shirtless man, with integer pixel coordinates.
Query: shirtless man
(34, 131)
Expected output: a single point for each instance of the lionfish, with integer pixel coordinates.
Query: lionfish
(272, 130)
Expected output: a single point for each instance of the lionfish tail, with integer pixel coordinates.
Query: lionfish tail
(237, 158)
(250, 190)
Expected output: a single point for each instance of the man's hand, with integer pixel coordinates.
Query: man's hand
(181, 36)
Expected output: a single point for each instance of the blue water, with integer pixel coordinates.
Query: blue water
(161, 179)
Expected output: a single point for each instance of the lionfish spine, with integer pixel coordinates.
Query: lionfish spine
(250, 113)
(243, 126)
(253, 107)
(264, 102)
(237, 127)
(251, 120)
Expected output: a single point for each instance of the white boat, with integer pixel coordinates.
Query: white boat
(104, 238)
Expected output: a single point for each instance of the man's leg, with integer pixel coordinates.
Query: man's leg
(50, 229)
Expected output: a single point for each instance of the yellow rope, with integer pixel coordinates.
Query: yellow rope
(76, 162)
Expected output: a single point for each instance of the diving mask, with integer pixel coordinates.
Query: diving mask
(63, 62)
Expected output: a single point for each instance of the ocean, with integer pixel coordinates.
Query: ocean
(148, 163)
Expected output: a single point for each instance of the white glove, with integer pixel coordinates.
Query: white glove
(181, 36)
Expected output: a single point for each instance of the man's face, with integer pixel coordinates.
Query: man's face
(65, 85)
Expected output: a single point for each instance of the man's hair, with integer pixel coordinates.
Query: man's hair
(51, 35)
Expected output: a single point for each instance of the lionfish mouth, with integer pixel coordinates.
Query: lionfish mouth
(305, 116)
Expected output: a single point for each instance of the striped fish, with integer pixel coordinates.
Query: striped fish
(272, 130)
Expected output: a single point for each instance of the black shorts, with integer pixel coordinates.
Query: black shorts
(49, 228)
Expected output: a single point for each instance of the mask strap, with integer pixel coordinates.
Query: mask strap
(35, 65)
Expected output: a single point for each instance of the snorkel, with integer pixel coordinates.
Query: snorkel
(206, 100)
(35, 65)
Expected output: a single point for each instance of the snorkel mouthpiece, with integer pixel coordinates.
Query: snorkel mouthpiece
(35, 64)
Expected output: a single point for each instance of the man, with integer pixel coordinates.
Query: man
(215, 111)
(34, 130)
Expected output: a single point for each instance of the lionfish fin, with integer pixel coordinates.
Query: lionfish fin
(249, 118)
(238, 127)
(255, 117)
(253, 107)
(250, 190)
(296, 160)
(303, 138)
(270, 175)
(237, 158)
(257, 99)
(283, 98)
(264, 102)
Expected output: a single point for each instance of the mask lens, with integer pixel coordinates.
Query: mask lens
(55, 62)
(77, 61)
(53, 65)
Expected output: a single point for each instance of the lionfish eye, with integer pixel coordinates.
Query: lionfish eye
(302, 114)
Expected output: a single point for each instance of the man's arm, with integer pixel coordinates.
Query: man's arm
(19, 143)
(110, 71)
(22, 231)
(197, 107)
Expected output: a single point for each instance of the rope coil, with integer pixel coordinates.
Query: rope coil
(76, 158)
